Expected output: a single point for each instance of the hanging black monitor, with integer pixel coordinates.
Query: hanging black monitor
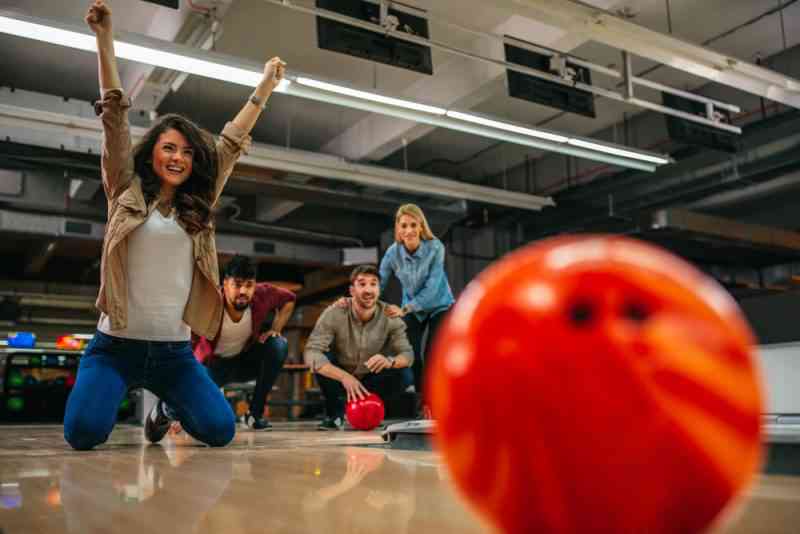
(374, 46)
(693, 133)
(544, 92)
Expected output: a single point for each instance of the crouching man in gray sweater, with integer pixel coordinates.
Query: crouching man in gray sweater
(357, 349)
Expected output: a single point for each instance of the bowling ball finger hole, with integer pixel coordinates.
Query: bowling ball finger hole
(582, 313)
(635, 312)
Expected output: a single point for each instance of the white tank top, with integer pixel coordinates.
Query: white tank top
(160, 268)
(234, 336)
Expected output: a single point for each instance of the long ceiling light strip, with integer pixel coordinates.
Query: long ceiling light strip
(469, 127)
(486, 121)
(190, 65)
(451, 119)
(48, 34)
(492, 123)
(591, 145)
(325, 86)
(134, 52)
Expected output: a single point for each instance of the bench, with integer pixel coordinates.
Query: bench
(294, 369)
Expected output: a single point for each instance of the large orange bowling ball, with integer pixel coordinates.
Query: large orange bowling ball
(596, 385)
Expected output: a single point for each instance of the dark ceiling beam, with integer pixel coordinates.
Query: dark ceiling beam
(251, 180)
(246, 180)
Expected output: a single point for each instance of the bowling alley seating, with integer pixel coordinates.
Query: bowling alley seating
(287, 382)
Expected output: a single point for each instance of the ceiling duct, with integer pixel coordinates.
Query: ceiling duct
(678, 220)
(260, 248)
(15, 119)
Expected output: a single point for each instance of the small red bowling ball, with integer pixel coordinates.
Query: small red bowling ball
(596, 384)
(366, 413)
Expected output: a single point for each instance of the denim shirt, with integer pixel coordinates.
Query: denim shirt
(426, 290)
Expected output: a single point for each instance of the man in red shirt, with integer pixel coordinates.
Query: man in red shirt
(243, 349)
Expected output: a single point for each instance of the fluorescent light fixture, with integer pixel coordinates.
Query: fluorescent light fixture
(133, 52)
(325, 86)
(500, 125)
(658, 160)
(152, 52)
(48, 34)
(190, 65)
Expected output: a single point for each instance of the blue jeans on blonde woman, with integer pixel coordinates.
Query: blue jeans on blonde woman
(111, 365)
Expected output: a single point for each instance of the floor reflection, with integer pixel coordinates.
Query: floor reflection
(152, 489)
(341, 489)
(366, 491)
(280, 482)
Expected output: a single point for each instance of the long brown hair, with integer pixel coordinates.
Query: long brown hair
(193, 197)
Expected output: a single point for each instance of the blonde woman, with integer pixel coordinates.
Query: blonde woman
(416, 258)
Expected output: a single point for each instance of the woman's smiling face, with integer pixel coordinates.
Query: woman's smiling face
(172, 158)
(408, 230)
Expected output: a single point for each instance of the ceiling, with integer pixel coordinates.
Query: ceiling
(254, 30)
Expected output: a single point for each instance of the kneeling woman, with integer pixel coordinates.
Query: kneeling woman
(159, 274)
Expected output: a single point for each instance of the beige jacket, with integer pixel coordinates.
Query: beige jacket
(127, 210)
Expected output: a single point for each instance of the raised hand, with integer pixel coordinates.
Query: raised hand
(98, 17)
(274, 70)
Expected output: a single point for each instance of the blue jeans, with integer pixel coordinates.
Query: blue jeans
(262, 361)
(111, 365)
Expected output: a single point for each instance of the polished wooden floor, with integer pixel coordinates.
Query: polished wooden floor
(291, 480)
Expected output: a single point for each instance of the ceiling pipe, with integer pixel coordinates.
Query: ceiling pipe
(320, 237)
(752, 192)
(16, 118)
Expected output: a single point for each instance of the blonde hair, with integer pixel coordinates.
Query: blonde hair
(413, 210)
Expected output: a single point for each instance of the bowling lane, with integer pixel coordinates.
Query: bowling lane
(771, 506)
(294, 479)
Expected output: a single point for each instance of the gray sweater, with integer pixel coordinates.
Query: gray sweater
(340, 332)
